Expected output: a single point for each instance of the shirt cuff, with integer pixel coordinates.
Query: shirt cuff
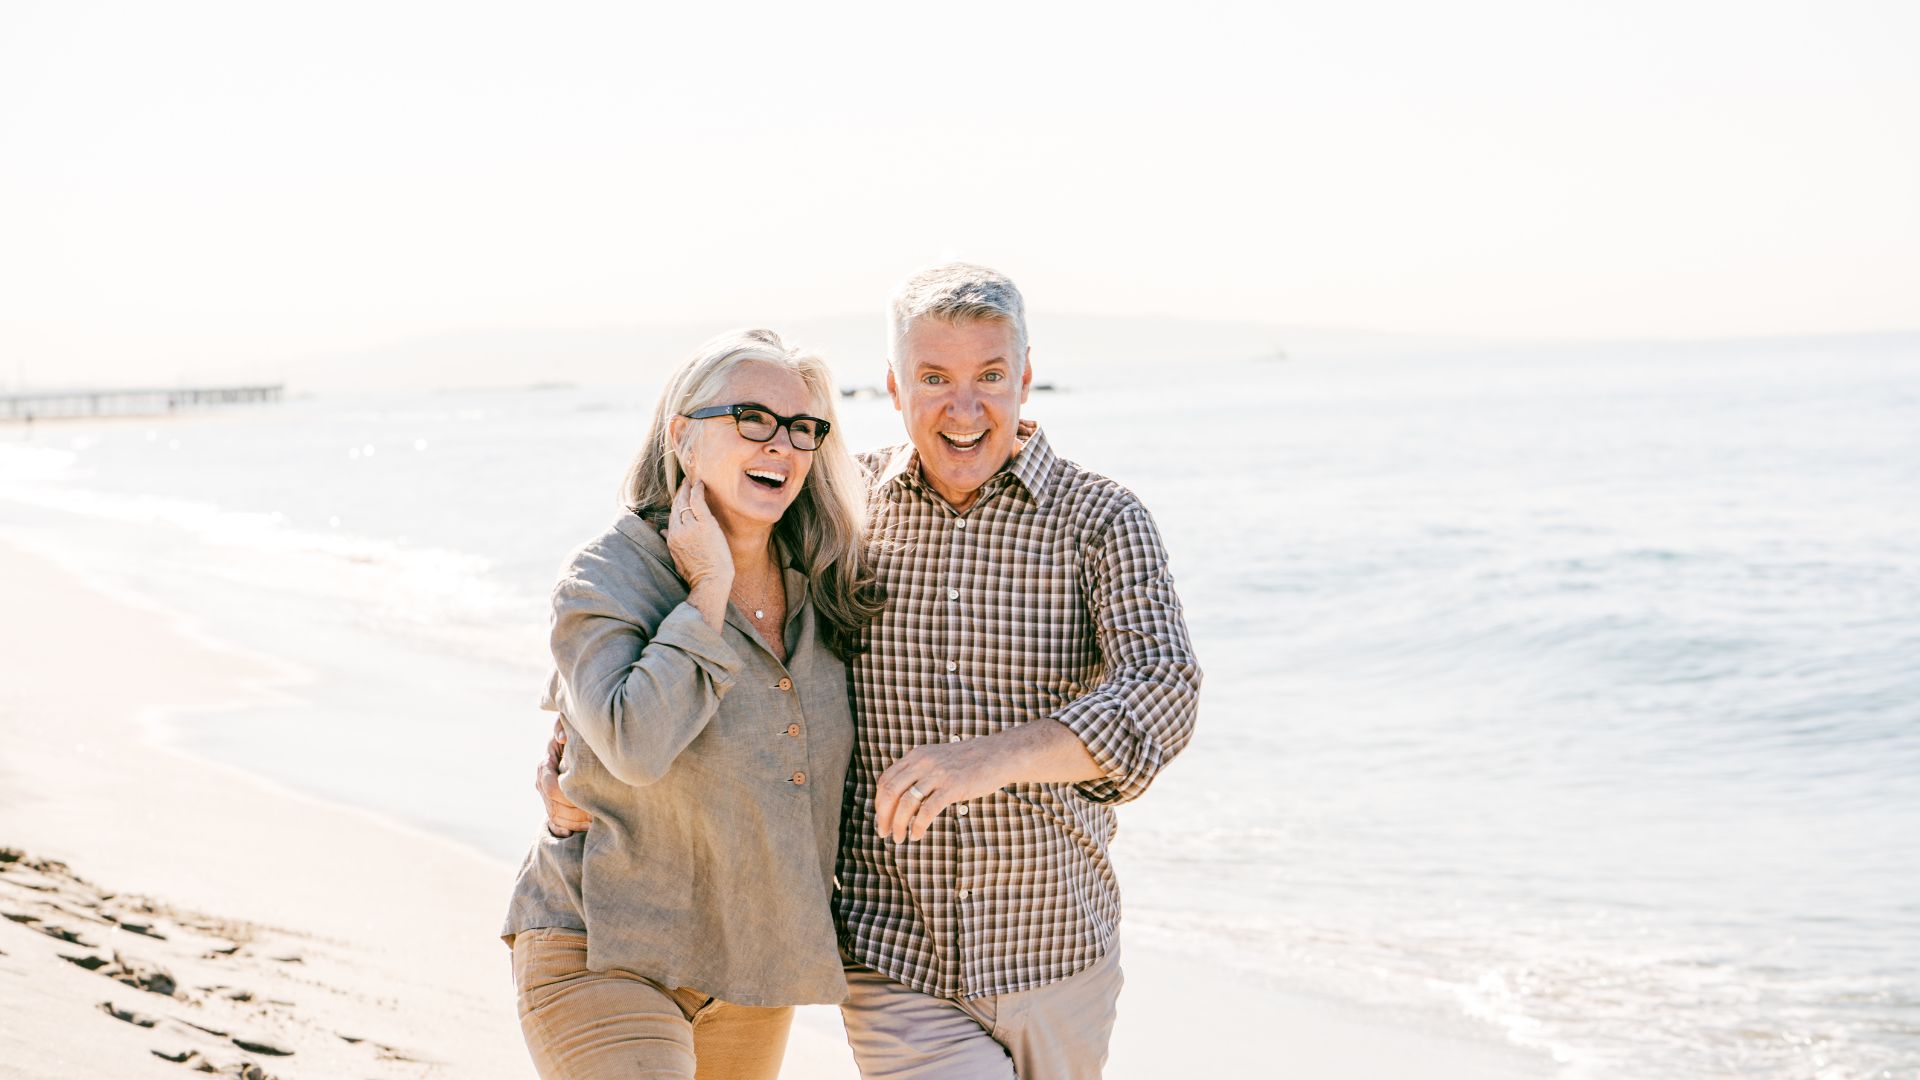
(1107, 741)
(686, 629)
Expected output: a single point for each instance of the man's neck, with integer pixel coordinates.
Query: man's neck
(959, 501)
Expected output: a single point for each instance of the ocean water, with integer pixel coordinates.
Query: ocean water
(1568, 696)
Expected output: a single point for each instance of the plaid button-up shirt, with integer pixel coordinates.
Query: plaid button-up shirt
(1049, 597)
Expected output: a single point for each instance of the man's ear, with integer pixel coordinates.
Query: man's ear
(1026, 376)
(893, 387)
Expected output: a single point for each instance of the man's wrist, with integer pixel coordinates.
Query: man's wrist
(1006, 759)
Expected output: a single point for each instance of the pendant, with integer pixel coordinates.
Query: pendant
(759, 614)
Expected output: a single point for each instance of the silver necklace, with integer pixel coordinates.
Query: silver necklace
(759, 613)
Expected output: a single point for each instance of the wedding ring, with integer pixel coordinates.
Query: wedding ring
(914, 790)
(684, 512)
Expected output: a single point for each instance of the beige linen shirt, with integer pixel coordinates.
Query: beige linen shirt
(714, 776)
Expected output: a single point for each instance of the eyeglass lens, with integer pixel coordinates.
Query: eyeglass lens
(759, 426)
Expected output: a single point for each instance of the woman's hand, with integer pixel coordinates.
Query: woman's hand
(700, 552)
(563, 818)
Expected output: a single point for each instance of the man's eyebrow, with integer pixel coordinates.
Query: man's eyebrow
(935, 365)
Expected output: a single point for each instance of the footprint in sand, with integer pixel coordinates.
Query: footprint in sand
(151, 978)
(202, 1027)
(61, 933)
(137, 1019)
(261, 1046)
(144, 929)
(212, 956)
(195, 1060)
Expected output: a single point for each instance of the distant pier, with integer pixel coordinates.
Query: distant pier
(73, 404)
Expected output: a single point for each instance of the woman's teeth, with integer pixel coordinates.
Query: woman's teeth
(767, 479)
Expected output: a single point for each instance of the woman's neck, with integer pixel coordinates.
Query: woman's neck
(751, 545)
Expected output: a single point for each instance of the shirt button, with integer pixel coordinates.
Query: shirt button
(960, 524)
(953, 594)
(952, 666)
(953, 738)
(799, 778)
(793, 729)
(966, 894)
(785, 684)
(961, 809)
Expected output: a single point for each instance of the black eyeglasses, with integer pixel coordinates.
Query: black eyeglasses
(757, 423)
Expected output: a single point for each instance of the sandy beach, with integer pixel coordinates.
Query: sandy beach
(167, 915)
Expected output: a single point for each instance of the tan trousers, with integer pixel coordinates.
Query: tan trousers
(615, 1025)
(1054, 1032)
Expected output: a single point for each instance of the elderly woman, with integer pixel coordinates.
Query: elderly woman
(698, 647)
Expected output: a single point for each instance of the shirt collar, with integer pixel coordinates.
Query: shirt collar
(1031, 467)
(900, 466)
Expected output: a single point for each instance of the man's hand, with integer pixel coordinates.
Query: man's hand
(928, 779)
(563, 818)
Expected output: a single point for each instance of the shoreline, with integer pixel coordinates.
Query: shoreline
(90, 782)
(407, 939)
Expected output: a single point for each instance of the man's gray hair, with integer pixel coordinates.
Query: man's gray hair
(953, 293)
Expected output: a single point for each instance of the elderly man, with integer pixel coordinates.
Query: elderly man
(1031, 671)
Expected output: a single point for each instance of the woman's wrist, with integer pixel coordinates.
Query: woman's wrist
(709, 597)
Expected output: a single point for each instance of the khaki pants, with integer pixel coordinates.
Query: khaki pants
(1054, 1032)
(615, 1025)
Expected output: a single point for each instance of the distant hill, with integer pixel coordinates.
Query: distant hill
(1068, 349)
(1063, 345)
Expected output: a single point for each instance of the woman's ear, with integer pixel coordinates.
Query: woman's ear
(680, 441)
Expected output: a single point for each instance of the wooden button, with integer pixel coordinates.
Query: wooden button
(793, 729)
(785, 684)
(799, 778)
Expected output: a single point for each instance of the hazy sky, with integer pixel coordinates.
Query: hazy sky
(183, 183)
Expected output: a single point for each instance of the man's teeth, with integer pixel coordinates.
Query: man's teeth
(963, 442)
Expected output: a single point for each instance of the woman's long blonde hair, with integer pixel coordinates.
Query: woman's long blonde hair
(824, 530)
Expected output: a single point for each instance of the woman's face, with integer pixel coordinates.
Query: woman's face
(750, 483)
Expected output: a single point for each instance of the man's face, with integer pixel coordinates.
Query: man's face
(959, 387)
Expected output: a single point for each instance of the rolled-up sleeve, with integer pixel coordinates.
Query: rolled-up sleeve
(636, 700)
(1141, 714)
